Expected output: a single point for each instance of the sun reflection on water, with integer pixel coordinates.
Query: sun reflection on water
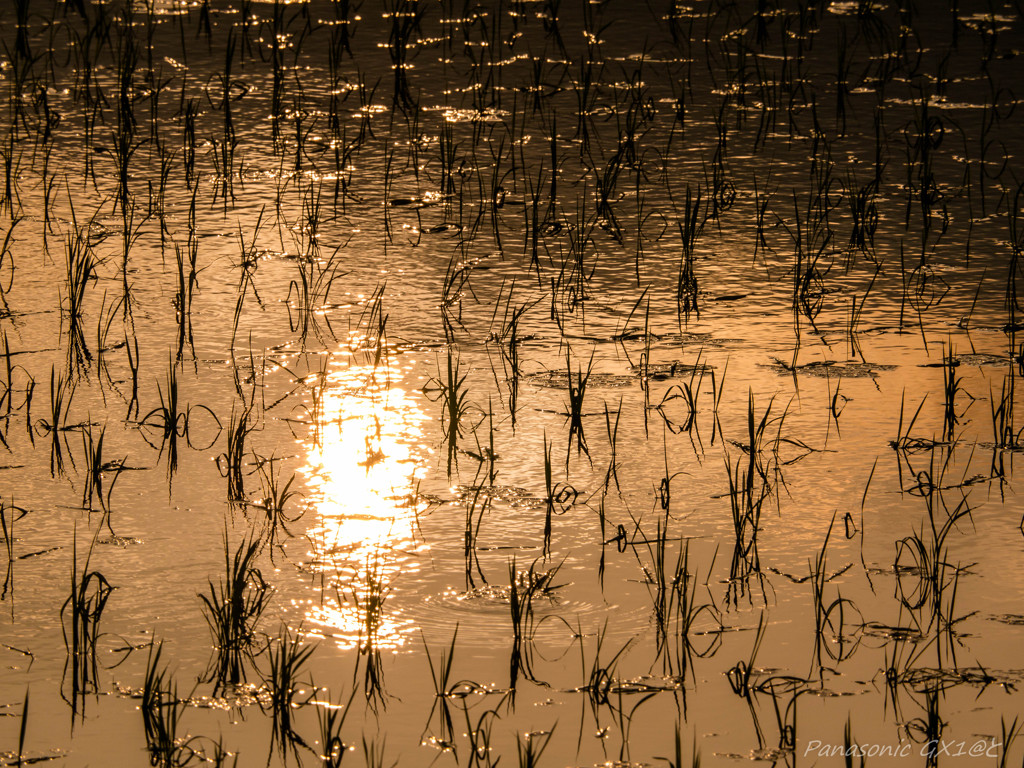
(363, 465)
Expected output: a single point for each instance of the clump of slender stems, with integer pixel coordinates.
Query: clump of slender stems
(232, 608)
(286, 658)
(162, 711)
(80, 618)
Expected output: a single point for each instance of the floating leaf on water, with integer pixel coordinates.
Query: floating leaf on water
(118, 541)
(439, 228)
(670, 370)
(29, 758)
(516, 497)
(729, 297)
(488, 115)
(979, 358)
(832, 369)
(560, 379)
(877, 629)
(418, 202)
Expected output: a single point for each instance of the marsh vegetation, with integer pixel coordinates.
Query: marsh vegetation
(544, 383)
